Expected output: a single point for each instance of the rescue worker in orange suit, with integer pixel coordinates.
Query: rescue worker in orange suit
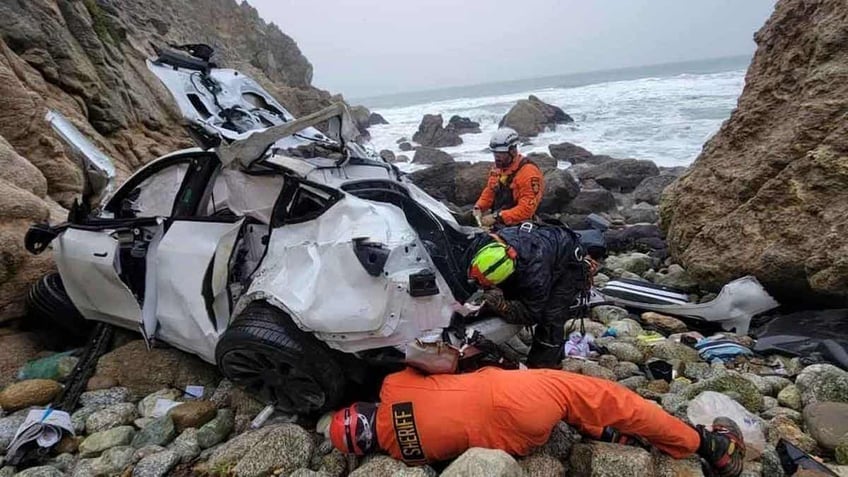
(430, 418)
(515, 186)
(532, 274)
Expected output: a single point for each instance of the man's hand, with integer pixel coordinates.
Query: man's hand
(488, 220)
(513, 311)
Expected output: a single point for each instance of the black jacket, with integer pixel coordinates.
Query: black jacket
(548, 271)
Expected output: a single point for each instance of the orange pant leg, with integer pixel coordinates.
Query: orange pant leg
(593, 404)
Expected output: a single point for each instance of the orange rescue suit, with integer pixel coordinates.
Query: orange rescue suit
(527, 185)
(430, 418)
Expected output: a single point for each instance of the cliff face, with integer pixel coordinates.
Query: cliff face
(768, 194)
(85, 58)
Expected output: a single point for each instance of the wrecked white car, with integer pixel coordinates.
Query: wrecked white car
(286, 256)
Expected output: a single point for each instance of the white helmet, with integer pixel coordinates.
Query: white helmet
(503, 139)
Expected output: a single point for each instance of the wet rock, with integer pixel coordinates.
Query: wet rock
(462, 125)
(32, 392)
(606, 314)
(42, 471)
(821, 383)
(827, 422)
(625, 369)
(622, 175)
(651, 188)
(670, 350)
(626, 327)
(98, 442)
(431, 133)
(216, 430)
(8, 427)
(375, 119)
(634, 382)
(158, 432)
(792, 414)
(569, 152)
(113, 416)
(626, 352)
(560, 189)
(192, 414)
(531, 116)
(635, 262)
(186, 445)
(431, 156)
(597, 459)
(104, 397)
(156, 465)
(784, 428)
(148, 404)
(748, 394)
(542, 465)
(163, 367)
(479, 462)
(662, 323)
(591, 200)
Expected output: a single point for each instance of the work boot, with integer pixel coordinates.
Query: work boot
(723, 448)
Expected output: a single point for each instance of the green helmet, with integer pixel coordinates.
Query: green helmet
(492, 264)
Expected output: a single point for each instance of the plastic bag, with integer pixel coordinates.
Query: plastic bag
(710, 405)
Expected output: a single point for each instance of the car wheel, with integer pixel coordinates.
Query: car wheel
(50, 307)
(266, 354)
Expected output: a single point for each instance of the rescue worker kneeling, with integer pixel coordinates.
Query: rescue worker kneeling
(430, 418)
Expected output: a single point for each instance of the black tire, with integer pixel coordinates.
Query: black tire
(268, 356)
(50, 307)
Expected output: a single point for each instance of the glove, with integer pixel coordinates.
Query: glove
(488, 220)
(513, 311)
(478, 214)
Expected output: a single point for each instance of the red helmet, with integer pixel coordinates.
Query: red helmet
(352, 429)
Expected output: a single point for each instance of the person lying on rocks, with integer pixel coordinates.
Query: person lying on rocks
(431, 418)
(532, 274)
(515, 185)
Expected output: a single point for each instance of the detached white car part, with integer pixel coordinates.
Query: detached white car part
(274, 250)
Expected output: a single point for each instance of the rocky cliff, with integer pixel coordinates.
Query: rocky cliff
(85, 58)
(769, 193)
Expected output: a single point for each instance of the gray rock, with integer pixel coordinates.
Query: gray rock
(541, 465)
(79, 417)
(216, 430)
(142, 422)
(625, 369)
(569, 152)
(42, 471)
(158, 432)
(600, 459)
(431, 133)
(784, 428)
(822, 383)
(827, 422)
(156, 465)
(98, 442)
(673, 403)
(378, 466)
(333, 463)
(752, 469)
(560, 189)
(284, 447)
(671, 350)
(771, 463)
(634, 382)
(561, 441)
(146, 405)
(112, 416)
(592, 327)
(304, 472)
(770, 402)
(146, 451)
(8, 427)
(626, 328)
(622, 175)
(7, 471)
(790, 397)
(677, 277)
(777, 383)
(651, 188)
(606, 314)
(112, 461)
(64, 462)
(641, 213)
(749, 395)
(431, 156)
(590, 368)
(763, 386)
(697, 370)
(591, 200)
(479, 462)
(104, 397)
(405, 146)
(388, 156)
(223, 393)
(608, 361)
(186, 446)
(626, 352)
(677, 386)
(782, 411)
(667, 466)
(635, 262)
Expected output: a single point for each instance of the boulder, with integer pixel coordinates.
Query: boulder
(216, 430)
(622, 175)
(662, 323)
(163, 367)
(281, 448)
(790, 397)
(635, 262)
(113, 416)
(158, 432)
(186, 445)
(479, 462)
(625, 369)
(634, 382)
(643, 238)
(192, 414)
(459, 183)
(431, 133)
(677, 277)
(763, 196)
(641, 213)
(462, 125)
(626, 352)
(595, 370)
(531, 116)
(608, 313)
(98, 442)
(375, 119)
(388, 156)
(671, 350)
(827, 422)
(431, 156)
(821, 383)
(747, 393)
(600, 459)
(360, 116)
(651, 188)
(405, 146)
(589, 201)
(543, 160)
(156, 465)
(98, 383)
(569, 152)
(560, 189)
(32, 392)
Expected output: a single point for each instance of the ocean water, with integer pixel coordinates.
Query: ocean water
(665, 116)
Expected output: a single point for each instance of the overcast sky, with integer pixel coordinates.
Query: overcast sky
(374, 47)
